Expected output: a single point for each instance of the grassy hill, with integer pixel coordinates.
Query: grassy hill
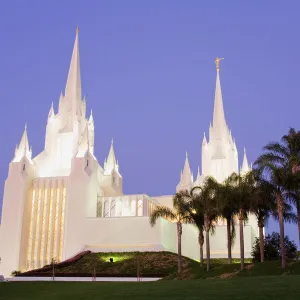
(159, 264)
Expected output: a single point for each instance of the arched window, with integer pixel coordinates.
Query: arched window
(140, 208)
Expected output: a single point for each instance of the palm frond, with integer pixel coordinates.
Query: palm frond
(161, 212)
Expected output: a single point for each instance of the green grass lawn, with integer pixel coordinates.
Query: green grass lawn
(237, 288)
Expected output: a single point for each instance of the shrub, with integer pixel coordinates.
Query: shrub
(272, 248)
(15, 273)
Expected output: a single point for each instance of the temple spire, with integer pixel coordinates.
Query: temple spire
(186, 177)
(245, 166)
(73, 85)
(219, 115)
(23, 148)
(111, 161)
(204, 141)
(51, 111)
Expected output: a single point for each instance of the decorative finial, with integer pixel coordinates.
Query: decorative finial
(77, 29)
(186, 154)
(244, 149)
(217, 62)
(26, 126)
(112, 141)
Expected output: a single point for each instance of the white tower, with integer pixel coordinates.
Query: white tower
(219, 154)
(16, 190)
(64, 177)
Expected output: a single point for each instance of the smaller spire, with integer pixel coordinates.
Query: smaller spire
(51, 111)
(91, 118)
(204, 142)
(111, 162)
(198, 180)
(245, 166)
(23, 148)
(186, 179)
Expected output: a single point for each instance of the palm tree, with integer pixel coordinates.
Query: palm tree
(195, 209)
(291, 143)
(242, 191)
(263, 205)
(274, 166)
(178, 214)
(227, 210)
(208, 198)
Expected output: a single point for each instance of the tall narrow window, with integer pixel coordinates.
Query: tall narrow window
(113, 208)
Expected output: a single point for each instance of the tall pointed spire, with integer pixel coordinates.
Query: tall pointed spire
(245, 166)
(73, 85)
(111, 161)
(204, 141)
(91, 118)
(23, 148)
(219, 115)
(51, 111)
(186, 179)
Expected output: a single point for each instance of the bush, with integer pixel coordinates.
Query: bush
(15, 273)
(272, 248)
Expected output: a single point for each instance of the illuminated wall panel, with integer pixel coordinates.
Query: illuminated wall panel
(47, 221)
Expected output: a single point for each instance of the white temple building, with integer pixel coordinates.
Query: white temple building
(62, 201)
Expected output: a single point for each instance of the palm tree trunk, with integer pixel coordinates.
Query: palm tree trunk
(207, 250)
(261, 243)
(179, 233)
(241, 221)
(229, 241)
(201, 242)
(281, 229)
(207, 227)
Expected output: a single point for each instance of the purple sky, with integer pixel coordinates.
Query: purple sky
(148, 74)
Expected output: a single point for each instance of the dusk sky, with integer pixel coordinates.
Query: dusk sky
(148, 74)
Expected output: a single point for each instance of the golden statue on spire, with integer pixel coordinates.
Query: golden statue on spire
(77, 29)
(217, 62)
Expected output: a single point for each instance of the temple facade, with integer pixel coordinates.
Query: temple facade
(62, 201)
